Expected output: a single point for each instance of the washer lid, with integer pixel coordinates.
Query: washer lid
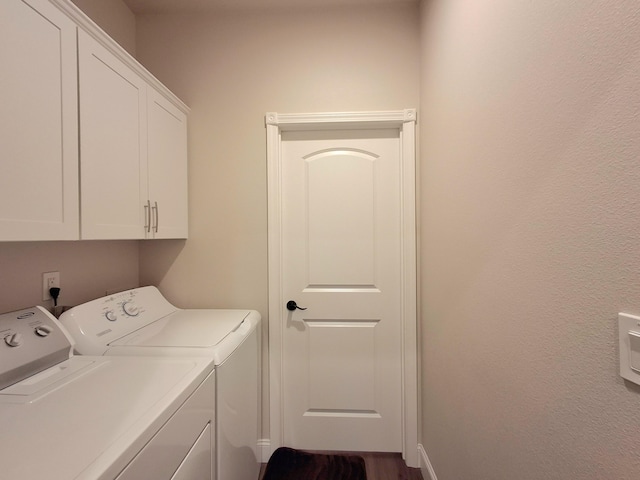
(186, 328)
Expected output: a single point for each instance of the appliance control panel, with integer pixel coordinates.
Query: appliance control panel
(97, 323)
(31, 341)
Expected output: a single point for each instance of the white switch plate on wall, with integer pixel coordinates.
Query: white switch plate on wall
(629, 336)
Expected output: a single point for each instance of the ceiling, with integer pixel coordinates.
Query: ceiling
(166, 6)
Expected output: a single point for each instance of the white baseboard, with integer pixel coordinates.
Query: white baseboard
(425, 465)
(264, 450)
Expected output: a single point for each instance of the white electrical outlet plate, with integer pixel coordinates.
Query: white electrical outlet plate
(49, 279)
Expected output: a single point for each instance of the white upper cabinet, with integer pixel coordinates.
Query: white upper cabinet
(120, 172)
(133, 151)
(167, 168)
(113, 148)
(38, 123)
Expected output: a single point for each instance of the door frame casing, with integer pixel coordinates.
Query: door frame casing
(404, 121)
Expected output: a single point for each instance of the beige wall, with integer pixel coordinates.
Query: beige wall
(115, 18)
(231, 68)
(87, 269)
(530, 243)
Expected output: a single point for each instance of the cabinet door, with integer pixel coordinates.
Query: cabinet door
(113, 157)
(167, 143)
(38, 123)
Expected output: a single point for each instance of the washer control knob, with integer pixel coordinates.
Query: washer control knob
(13, 339)
(130, 308)
(43, 330)
(111, 315)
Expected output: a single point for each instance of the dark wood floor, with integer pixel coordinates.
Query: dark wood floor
(381, 466)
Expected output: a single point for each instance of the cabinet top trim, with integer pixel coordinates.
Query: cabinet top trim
(89, 26)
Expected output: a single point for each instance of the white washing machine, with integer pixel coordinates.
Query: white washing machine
(142, 322)
(65, 417)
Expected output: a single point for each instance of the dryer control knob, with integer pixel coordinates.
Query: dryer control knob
(43, 330)
(13, 339)
(130, 308)
(111, 316)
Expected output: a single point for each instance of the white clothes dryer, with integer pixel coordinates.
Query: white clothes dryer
(142, 322)
(67, 417)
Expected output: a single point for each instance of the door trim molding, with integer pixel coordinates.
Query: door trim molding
(404, 121)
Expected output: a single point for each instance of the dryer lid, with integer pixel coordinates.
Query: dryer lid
(186, 328)
(93, 421)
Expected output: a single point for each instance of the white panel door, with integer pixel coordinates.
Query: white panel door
(167, 144)
(113, 147)
(341, 260)
(38, 123)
